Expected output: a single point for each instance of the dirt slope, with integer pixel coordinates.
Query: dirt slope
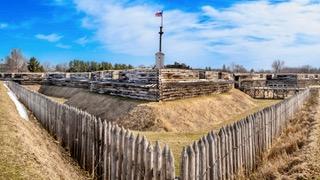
(27, 151)
(55, 91)
(188, 115)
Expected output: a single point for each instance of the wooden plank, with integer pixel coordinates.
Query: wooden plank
(122, 169)
(184, 165)
(99, 151)
(191, 163)
(104, 151)
(137, 158)
(202, 160)
(196, 160)
(143, 158)
(150, 166)
(222, 153)
(206, 145)
(126, 153)
(170, 169)
(164, 154)
(131, 149)
(157, 161)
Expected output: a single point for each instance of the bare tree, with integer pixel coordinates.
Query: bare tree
(237, 68)
(62, 67)
(48, 67)
(277, 66)
(16, 62)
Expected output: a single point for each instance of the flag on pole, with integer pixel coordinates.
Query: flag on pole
(159, 13)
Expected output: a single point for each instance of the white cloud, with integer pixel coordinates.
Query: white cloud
(50, 37)
(63, 46)
(252, 33)
(82, 41)
(3, 25)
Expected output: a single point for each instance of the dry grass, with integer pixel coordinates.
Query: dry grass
(175, 140)
(178, 140)
(187, 115)
(289, 157)
(38, 88)
(59, 100)
(27, 151)
(33, 87)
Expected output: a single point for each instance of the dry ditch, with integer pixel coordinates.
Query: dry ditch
(27, 151)
(296, 153)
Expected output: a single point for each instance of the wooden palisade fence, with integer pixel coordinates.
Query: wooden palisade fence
(110, 152)
(106, 150)
(237, 147)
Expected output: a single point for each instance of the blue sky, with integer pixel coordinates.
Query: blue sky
(199, 33)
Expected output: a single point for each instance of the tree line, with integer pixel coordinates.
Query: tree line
(90, 66)
(16, 62)
(277, 66)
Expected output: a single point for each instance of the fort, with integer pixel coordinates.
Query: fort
(145, 84)
(172, 84)
(108, 127)
(274, 86)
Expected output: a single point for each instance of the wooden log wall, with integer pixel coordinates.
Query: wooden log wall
(252, 83)
(272, 92)
(300, 83)
(24, 78)
(180, 75)
(137, 76)
(238, 146)
(135, 84)
(308, 82)
(174, 75)
(106, 150)
(148, 92)
(75, 83)
(180, 90)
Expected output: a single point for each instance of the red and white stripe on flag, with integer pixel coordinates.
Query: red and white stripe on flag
(159, 13)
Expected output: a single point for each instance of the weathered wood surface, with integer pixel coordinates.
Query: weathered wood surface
(106, 150)
(144, 84)
(180, 75)
(180, 90)
(271, 92)
(236, 147)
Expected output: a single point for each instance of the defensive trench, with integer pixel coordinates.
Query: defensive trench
(178, 126)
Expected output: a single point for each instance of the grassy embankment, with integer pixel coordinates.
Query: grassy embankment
(177, 140)
(27, 151)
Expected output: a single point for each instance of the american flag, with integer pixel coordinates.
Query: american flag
(159, 13)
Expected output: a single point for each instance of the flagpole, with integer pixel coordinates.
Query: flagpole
(160, 55)
(161, 33)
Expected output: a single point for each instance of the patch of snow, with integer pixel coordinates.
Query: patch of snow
(5, 85)
(20, 107)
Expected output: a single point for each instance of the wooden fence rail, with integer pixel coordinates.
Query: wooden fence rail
(106, 150)
(236, 147)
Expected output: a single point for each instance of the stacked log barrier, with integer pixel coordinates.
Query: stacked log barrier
(142, 84)
(105, 150)
(184, 89)
(236, 147)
